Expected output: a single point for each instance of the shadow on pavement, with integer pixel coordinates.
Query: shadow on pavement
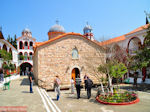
(141, 87)
(94, 101)
(54, 99)
(71, 97)
(25, 81)
(25, 92)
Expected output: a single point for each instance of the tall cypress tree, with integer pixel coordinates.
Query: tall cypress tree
(8, 38)
(11, 40)
(15, 41)
(147, 22)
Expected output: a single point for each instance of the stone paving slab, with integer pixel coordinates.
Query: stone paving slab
(19, 95)
(69, 103)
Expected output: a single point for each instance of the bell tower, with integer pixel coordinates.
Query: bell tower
(88, 32)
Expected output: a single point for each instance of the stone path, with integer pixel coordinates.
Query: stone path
(19, 95)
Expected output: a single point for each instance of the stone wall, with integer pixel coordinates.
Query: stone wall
(55, 58)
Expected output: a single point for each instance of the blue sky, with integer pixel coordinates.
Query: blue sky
(108, 18)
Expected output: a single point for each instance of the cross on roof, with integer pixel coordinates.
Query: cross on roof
(87, 23)
(147, 14)
(57, 22)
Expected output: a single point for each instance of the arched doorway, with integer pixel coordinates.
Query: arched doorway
(133, 45)
(24, 68)
(74, 73)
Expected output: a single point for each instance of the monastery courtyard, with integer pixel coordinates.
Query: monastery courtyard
(42, 101)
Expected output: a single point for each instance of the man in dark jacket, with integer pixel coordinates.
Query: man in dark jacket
(31, 78)
(89, 84)
(78, 85)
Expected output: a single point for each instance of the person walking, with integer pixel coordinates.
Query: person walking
(57, 83)
(31, 79)
(78, 85)
(89, 84)
(85, 79)
(1, 75)
(72, 86)
(135, 78)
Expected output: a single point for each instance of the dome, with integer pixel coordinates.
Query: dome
(87, 27)
(57, 28)
(26, 30)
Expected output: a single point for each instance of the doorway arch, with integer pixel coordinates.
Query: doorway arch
(24, 68)
(74, 73)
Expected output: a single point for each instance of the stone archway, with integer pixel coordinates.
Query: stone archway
(24, 68)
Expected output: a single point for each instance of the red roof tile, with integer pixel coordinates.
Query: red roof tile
(116, 39)
(120, 38)
(60, 36)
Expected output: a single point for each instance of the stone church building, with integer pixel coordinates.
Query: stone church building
(66, 55)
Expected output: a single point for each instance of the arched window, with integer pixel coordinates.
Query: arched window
(25, 56)
(26, 45)
(20, 56)
(31, 45)
(20, 45)
(75, 54)
(30, 57)
(4, 47)
(134, 44)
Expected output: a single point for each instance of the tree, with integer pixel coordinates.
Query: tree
(105, 69)
(114, 69)
(8, 38)
(116, 56)
(6, 57)
(13, 41)
(118, 70)
(12, 67)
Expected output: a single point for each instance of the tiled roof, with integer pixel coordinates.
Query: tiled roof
(61, 36)
(8, 43)
(1, 35)
(139, 29)
(116, 39)
(2, 38)
(37, 43)
(120, 38)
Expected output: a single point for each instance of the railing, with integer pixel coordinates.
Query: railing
(25, 47)
(31, 47)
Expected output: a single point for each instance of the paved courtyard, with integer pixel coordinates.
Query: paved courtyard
(19, 95)
(69, 103)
